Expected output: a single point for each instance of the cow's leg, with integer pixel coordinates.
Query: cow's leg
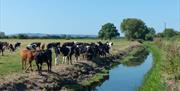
(70, 61)
(63, 60)
(66, 59)
(41, 66)
(30, 63)
(22, 61)
(2, 52)
(49, 63)
(30, 66)
(37, 66)
(25, 63)
(75, 59)
(57, 60)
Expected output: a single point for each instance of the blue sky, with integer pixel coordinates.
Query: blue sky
(84, 16)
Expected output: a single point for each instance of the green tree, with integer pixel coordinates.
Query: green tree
(134, 28)
(169, 32)
(150, 34)
(159, 35)
(2, 34)
(22, 36)
(108, 31)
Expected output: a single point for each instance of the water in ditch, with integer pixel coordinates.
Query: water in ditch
(128, 76)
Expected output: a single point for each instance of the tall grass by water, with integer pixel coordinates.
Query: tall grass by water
(153, 80)
(165, 73)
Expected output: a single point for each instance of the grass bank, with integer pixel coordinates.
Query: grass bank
(165, 73)
(153, 80)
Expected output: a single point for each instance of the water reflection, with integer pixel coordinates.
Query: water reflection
(135, 61)
(127, 76)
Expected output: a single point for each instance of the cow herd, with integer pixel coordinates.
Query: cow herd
(42, 53)
(8, 46)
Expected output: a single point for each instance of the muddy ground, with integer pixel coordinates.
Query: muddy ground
(61, 75)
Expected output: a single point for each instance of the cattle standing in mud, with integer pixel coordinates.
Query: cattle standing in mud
(56, 47)
(67, 53)
(104, 48)
(57, 54)
(68, 49)
(27, 56)
(43, 56)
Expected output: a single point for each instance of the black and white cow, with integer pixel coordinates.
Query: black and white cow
(67, 54)
(16, 45)
(31, 47)
(38, 44)
(57, 55)
(104, 48)
(67, 50)
(11, 48)
(56, 47)
(3, 46)
(53, 45)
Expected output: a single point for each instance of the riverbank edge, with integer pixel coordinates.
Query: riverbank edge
(102, 75)
(153, 80)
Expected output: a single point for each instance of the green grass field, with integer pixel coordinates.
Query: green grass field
(11, 62)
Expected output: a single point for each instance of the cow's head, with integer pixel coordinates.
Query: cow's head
(110, 44)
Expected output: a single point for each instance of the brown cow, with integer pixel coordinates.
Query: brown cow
(27, 56)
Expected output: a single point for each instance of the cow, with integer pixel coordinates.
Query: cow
(43, 56)
(38, 44)
(31, 47)
(104, 48)
(77, 52)
(56, 47)
(67, 51)
(57, 54)
(27, 56)
(83, 47)
(11, 48)
(108, 46)
(3, 46)
(16, 45)
(53, 45)
(69, 43)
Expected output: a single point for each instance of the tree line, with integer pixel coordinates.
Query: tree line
(133, 29)
(26, 36)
